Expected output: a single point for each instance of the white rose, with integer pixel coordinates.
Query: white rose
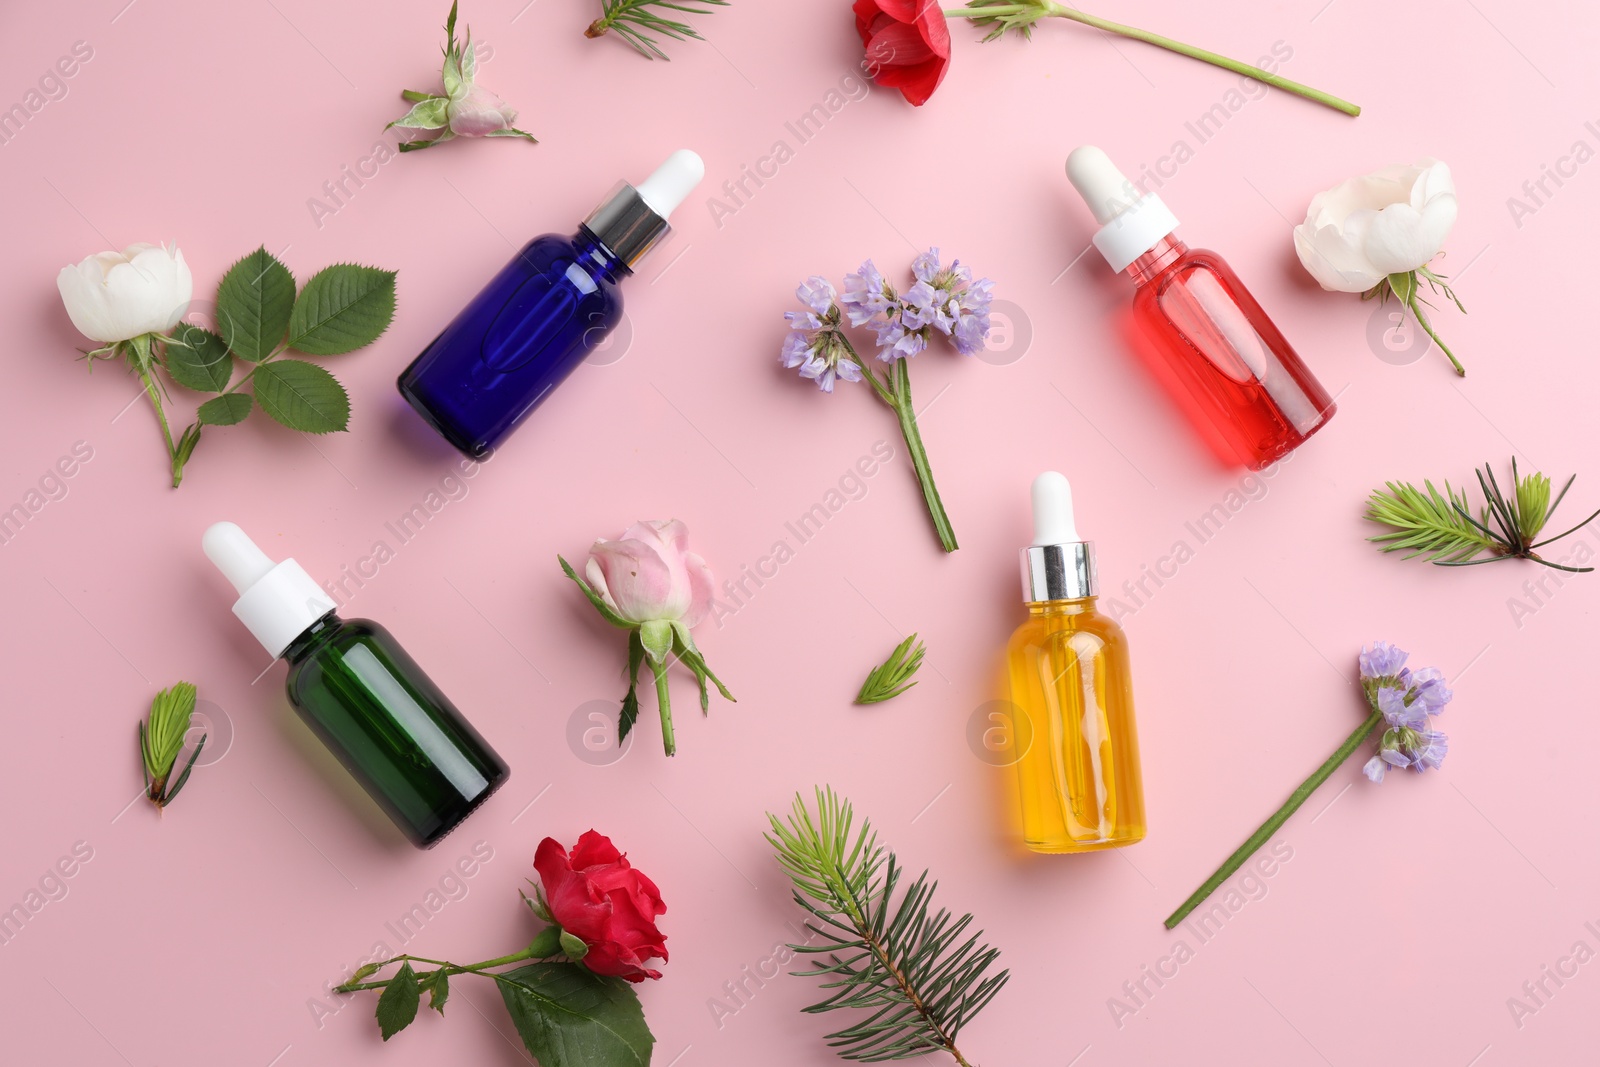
(114, 296)
(1390, 222)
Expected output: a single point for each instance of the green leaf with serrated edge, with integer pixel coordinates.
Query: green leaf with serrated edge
(198, 359)
(606, 611)
(397, 1005)
(568, 1016)
(302, 396)
(225, 410)
(630, 702)
(438, 990)
(341, 309)
(253, 305)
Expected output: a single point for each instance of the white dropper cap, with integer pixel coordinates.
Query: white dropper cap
(1131, 222)
(1052, 510)
(1058, 565)
(672, 182)
(277, 601)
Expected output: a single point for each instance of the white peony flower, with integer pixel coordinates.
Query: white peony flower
(1393, 221)
(115, 296)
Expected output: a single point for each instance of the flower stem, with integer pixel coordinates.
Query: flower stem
(1278, 818)
(1248, 70)
(664, 702)
(900, 384)
(147, 377)
(1412, 302)
(444, 965)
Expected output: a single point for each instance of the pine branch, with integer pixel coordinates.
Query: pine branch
(640, 23)
(917, 972)
(1426, 523)
(894, 675)
(1441, 528)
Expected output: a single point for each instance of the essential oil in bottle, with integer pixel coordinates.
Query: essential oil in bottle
(1204, 337)
(1072, 694)
(554, 303)
(362, 694)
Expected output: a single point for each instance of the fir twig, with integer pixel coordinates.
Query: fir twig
(161, 742)
(640, 23)
(1441, 527)
(918, 973)
(894, 675)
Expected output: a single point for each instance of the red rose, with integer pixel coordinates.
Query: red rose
(596, 895)
(908, 45)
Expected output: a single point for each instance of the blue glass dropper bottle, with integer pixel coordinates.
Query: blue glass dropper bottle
(541, 315)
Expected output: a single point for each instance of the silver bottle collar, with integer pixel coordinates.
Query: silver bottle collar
(627, 225)
(1059, 572)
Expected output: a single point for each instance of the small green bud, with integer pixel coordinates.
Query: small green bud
(573, 947)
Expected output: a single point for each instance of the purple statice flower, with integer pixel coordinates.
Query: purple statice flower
(1431, 692)
(867, 295)
(948, 300)
(1382, 660)
(1398, 710)
(815, 342)
(1408, 700)
(869, 300)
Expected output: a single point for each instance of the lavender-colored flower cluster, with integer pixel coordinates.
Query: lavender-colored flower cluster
(943, 300)
(815, 342)
(1408, 701)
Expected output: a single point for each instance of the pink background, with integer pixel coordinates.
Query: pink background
(1407, 915)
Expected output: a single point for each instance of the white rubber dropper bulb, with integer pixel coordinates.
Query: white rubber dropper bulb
(1103, 187)
(277, 601)
(1052, 510)
(235, 555)
(672, 182)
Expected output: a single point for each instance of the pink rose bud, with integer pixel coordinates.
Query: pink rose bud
(650, 575)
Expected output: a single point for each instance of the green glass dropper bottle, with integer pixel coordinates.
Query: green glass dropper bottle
(362, 694)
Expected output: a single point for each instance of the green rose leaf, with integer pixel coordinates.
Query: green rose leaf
(224, 410)
(302, 396)
(198, 359)
(438, 990)
(569, 1016)
(342, 308)
(397, 1006)
(253, 305)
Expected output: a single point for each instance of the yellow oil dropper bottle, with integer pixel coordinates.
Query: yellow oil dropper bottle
(1072, 694)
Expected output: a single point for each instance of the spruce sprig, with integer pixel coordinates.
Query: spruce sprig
(1441, 527)
(894, 675)
(917, 973)
(640, 23)
(161, 741)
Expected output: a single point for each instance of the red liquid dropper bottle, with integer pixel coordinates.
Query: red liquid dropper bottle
(1202, 334)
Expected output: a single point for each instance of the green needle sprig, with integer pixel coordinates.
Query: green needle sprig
(1441, 528)
(641, 23)
(917, 975)
(161, 742)
(894, 675)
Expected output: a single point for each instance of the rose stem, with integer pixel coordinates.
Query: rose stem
(1249, 70)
